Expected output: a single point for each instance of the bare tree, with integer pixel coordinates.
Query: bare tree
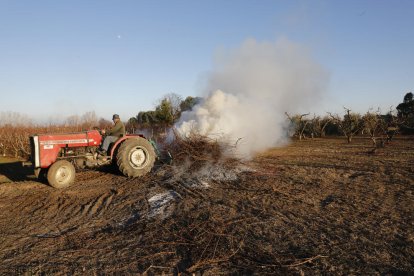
(21, 144)
(73, 121)
(3, 144)
(390, 124)
(14, 118)
(372, 125)
(89, 120)
(350, 125)
(319, 124)
(298, 124)
(15, 141)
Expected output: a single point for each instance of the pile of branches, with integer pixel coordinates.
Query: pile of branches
(197, 150)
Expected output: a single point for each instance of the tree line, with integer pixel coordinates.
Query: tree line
(372, 124)
(166, 113)
(15, 128)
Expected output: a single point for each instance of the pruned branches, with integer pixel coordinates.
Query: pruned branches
(195, 147)
(198, 151)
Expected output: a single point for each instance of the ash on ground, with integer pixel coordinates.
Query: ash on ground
(162, 204)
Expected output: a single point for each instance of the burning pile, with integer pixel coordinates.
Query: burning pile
(199, 159)
(195, 148)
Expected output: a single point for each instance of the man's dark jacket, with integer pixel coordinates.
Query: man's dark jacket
(117, 130)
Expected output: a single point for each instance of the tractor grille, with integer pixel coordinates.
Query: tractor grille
(32, 149)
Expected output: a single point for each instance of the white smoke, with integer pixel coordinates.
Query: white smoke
(252, 88)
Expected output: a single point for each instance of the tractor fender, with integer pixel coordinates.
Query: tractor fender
(122, 139)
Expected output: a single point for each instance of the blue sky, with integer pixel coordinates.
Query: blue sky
(59, 58)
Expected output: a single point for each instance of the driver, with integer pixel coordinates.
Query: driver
(117, 131)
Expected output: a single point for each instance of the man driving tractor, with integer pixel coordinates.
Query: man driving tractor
(55, 155)
(117, 131)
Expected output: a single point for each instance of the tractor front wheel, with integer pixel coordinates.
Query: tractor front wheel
(61, 174)
(135, 157)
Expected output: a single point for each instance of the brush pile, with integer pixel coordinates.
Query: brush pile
(197, 149)
(201, 158)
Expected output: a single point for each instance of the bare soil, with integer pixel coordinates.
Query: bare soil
(313, 207)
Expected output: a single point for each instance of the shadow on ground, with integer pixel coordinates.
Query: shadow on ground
(15, 172)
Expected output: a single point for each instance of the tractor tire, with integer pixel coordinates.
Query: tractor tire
(61, 174)
(135, 157)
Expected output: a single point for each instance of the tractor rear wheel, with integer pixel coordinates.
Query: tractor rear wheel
(135, 157)
(61, 174)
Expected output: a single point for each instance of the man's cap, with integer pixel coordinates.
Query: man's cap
(115, 116)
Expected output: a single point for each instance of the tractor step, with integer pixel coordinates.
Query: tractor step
(27, 164)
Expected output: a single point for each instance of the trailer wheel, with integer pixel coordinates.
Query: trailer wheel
(135, 157)
(61, 174)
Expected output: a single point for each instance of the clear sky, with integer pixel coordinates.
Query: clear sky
(59, 58)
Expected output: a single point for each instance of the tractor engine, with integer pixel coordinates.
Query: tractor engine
(47, 148)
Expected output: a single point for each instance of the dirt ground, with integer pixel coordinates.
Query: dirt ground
(313, 207)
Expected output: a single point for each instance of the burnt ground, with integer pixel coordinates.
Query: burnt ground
(313, 207)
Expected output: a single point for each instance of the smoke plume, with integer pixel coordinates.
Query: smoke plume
(249, 91)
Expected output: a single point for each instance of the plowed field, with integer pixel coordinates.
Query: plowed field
(313, 207)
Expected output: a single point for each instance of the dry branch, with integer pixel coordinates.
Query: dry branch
(195, 151)
(155, 267)
(304, 261)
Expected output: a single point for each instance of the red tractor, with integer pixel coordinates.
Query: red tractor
(57, 155)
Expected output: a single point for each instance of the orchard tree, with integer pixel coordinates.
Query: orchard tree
(89, 120)
(373, 125)
(390, 125)
(73, 121)
(14, 118)
(298, 124)
(350, 125)
(3, 142)
(319, 124)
